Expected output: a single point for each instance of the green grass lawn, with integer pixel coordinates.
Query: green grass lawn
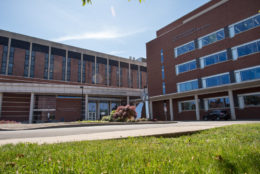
(231, 149)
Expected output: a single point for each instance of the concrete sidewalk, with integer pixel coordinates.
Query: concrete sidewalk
(173, 129)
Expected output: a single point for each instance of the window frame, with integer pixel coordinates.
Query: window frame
(238, 75)
(177, 66)
(202, 63)
(216, 75)
(241, 101)
(206, 103)
(178, 87)
(185, 101)
(176, 48)
(200, 38)
(235, 53)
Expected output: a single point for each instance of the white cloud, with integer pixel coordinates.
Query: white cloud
(105, 34)
(113, 12)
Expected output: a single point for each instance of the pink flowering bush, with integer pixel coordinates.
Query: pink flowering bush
(124, 113)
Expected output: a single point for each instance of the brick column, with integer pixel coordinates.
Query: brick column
(81, 68)
(128, 100)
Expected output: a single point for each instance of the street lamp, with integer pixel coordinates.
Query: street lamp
(82, 103)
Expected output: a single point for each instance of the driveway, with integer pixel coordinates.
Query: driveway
(58, 135)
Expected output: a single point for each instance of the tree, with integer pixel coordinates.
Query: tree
(89, 1)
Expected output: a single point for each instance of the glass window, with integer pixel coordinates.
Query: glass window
(32, 64)
(214, 37)
(4, 59)
(46, 62)
(187, 67)
(110, 74)
(163, 85)
(162, 59)
(248, 49)
(79, 71)
(188, 86)
(106, 75)
(214, 103)
(247, 24)
(188, 106)
(117, 76)
(26, 63)
(217, 80)
(163, 73)
(11, 61)
(215, 58)
(185, 48)
(250, 74)
(68, 68)
(51, 66)
(84, 72)
(63, 67)
(252, 100)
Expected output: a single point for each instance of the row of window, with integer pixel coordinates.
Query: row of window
(241, 75)
(244, 100)
(222, 56)
(239, 27)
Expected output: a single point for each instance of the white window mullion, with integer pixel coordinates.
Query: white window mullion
(241, 102)
(234, 53)
(179, 107)
(206, 104)
(231, 31)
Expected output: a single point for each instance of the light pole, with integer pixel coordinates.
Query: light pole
(82, 103)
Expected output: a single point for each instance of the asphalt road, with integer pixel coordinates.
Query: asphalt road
(55, 132)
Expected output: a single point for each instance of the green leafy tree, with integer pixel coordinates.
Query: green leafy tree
(90, 2)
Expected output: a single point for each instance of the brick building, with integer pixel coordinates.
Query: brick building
(208, 59)
(42, 80)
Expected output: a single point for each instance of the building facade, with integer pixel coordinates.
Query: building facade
(208, 59)
(42, 80)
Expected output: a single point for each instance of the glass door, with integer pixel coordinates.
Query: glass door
(92, 110)
(103, 109)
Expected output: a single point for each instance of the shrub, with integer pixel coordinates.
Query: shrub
(106, 118)
(124, 113)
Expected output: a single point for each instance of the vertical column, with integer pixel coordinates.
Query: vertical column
(95, 70)
(129, 75)
(197, 107)
(31, 108)
(66, 67)
(171, 109)
(139, 79)
(119, 74)
(232, 105)
(81, 75)
(86, 107)
(30, 60)
(8, 55)
(98, 110)
(128, 100)
(151, 109)
(1, 100)
(107, 72)
(49, 63)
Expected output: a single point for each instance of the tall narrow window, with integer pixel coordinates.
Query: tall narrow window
(163, 87)
(4, 60)
(26, 63)
(79, 71)
(97, 73)
(110, 72)
(68, 69)
(121, 76)
(46, 62)
(93, 73)
(84, 72)
(32, 64)
(11, 61)
(51, 66)
(117, 76)
(63, 67)
(163, 73)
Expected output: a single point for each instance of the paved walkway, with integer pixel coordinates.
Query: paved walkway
(113, 132)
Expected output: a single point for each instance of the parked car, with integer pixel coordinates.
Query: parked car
(217, 115)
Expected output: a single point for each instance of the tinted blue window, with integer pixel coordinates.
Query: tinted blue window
(250, 74)
(163, 72)
(247, 49)
(248, 24)
(214, 37)
(187, 67)
(185, 48)
(188, 86)
(162, 59)
(217, 80)
(216, 58)
(258, 45)
(4, 59)
(164, 88)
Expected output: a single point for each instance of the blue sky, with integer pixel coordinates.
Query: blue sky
(116, 27)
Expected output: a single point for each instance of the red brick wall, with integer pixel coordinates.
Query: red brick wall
(19, 58)
(232, 11)
(124, 77)
(113, 76)
(68, 109)
(144, 80)
(15, 107)
(134, 77)
(74, 70)
(89, 72)
(39, 65)
(57, 71)
(101, 79)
